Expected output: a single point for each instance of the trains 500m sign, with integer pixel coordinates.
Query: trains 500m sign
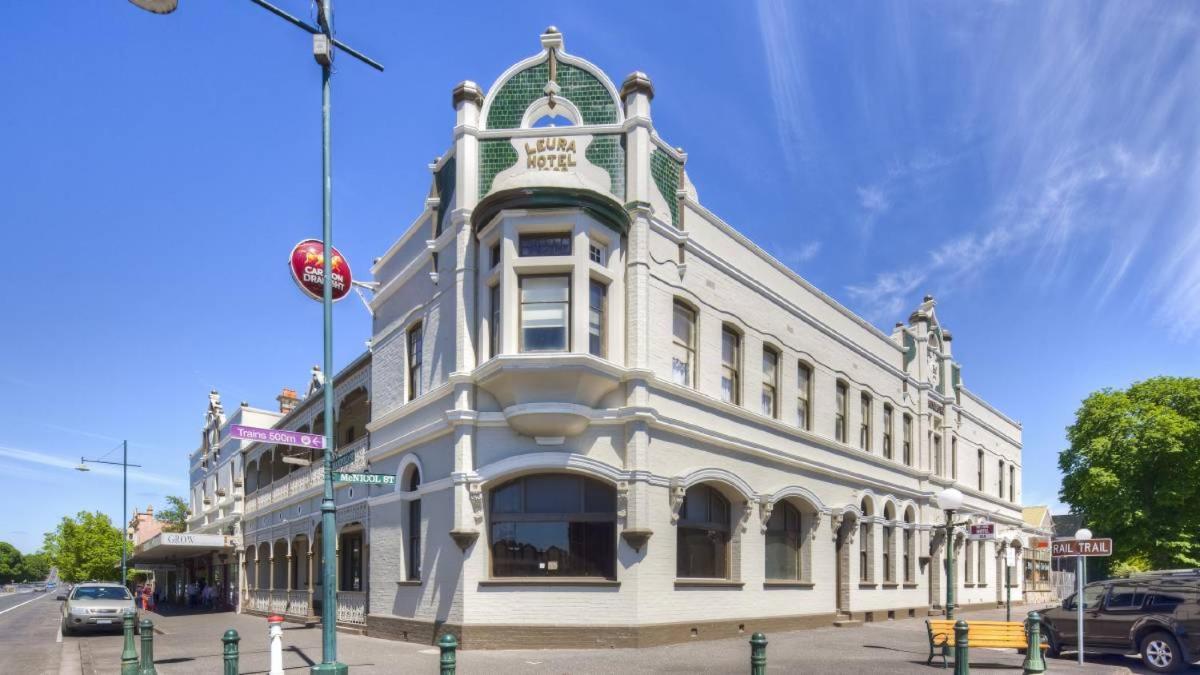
(307, 264)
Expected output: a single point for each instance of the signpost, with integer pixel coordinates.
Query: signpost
(982, 531)
(364, 478)
(342, 460)
(1010, 561)
(1082, 546)
(279, 436)
(307, 264)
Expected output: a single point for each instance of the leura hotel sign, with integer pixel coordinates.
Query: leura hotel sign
(550, 154)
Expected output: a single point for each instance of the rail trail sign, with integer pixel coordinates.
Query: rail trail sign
(364, 478)
(982, 531)
(280, 436)
(1063, 548)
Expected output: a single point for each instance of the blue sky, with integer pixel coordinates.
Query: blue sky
(1034, 165)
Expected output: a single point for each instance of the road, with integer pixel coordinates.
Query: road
(29, 633)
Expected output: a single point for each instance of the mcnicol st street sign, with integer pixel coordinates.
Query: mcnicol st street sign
(364, 478)
(1062, 548)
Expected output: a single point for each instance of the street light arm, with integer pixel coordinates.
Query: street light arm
(299, 23)
(101, 461)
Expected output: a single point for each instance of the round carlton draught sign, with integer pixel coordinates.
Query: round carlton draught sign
(307, 264)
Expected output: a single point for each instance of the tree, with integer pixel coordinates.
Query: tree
(36, 566)
(85, 547)
(1133, 468)
(174, 516)
(11, 569)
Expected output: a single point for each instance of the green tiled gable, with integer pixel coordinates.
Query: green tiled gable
(445, 180)
(494, 157)
(590, 96)
(608, 153)
(667, 175)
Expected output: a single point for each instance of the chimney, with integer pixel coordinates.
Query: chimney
(287, 400)
(150, 511)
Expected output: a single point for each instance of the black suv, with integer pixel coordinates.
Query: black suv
(1156, 614)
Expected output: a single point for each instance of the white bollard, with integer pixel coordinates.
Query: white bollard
(275, 641)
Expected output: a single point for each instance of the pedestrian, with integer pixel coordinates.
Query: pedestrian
(191, 594)
(210, 596)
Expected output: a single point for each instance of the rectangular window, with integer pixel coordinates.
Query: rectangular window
(908, 541)
(494, 321)
(864, 425)
(415, 356)
(839, 419)
(907, 440)
(887, 431)
(1000, 478)
(770, 375)
(351, 556)
(495, 255)
(979, 476)
(414, 540)
(1012, 481)
(954, 457)
(938, 466)
(887, 554)
(597, 302)
(596, 253)
(731, 359)
(532, 245)
(683, 345)
(804, 396)
(545, 309)
(864, 552)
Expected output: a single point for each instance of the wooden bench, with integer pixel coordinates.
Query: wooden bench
(979, 634)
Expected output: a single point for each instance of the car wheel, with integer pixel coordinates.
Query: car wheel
(1053, 649)
(1160, 653)
(66, 630)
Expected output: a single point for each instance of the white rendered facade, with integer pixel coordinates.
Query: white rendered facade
(464, 402)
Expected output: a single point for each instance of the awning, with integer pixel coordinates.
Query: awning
(175, 546)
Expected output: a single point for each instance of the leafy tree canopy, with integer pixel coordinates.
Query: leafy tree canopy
(11, 569)
(85, 547)
(174, 516)
(36, 566)
(1133, 468)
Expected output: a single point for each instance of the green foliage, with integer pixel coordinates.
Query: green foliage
(11, 568)
(85, 547)
(174, 516)
(1133, 469)
(1130, 566)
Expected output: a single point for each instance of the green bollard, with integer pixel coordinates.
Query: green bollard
(1034, 663)
(230, 639)
(129, 660)
(962, 665)
(147, 667)
(449, 660)
(758, 654)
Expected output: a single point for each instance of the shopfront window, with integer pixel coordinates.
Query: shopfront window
(703, 534)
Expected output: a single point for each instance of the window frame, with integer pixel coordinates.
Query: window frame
(841, 394)
(733, 366)
(685, 522)
(889, 415)
(415, 347)
(866, 406)
(601, 350)
(907, 440)
(804, 396)
(770, 385)
(495, 302)
(568, 338)
(793, 539)
(689, 348)
(523, 237)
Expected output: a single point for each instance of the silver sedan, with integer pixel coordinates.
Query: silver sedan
(97, 606)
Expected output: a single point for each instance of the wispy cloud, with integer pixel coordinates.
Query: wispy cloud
(1088, 140)
(795, 256)
(788, 77)
(44, 459)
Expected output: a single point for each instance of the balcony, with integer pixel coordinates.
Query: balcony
(305, 479)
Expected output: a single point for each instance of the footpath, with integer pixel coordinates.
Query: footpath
(192, 644)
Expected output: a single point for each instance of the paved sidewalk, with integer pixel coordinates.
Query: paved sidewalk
(192, 644)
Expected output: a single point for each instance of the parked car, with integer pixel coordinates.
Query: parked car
(1156, 614)
(97, 606)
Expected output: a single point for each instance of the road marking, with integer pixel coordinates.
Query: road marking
(4, 611)
(58, 636)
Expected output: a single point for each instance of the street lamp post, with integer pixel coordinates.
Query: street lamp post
(949, 501)
(1083, 534)
(324, 44)
(124, 464)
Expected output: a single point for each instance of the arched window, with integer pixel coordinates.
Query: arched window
(785, 542)
(702, 534)
(889, 543)
(909, 551)
(411, 484)
(866, 548)
(553, 525)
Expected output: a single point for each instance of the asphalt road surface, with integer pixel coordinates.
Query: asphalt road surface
(29, 639)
